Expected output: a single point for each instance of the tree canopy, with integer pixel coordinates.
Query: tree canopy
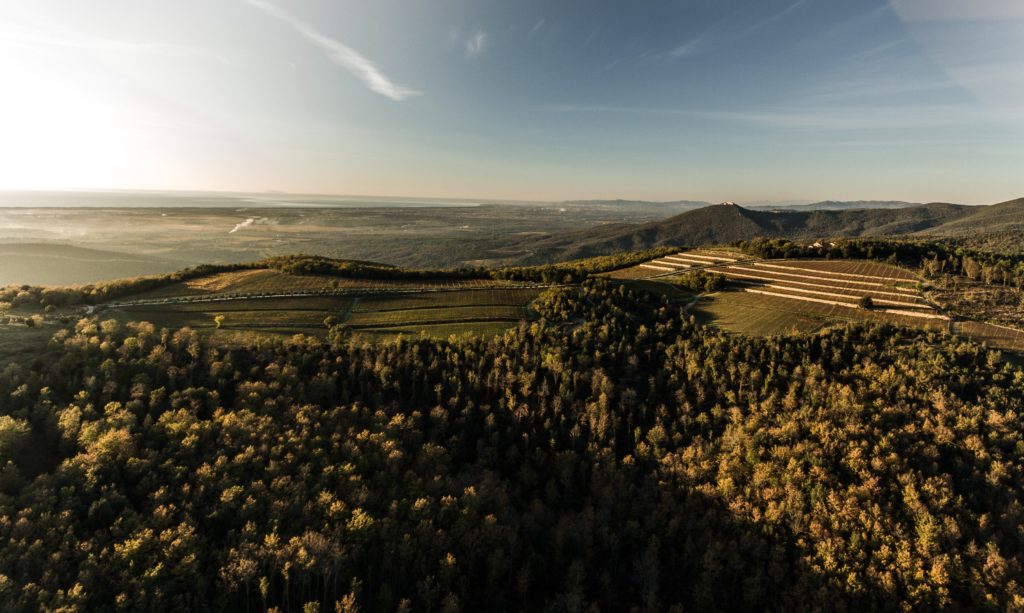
(613, 455)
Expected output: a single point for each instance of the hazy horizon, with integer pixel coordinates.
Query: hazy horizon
(74, 197)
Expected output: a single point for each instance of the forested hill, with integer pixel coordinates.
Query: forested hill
(614, 455)
(726, 223)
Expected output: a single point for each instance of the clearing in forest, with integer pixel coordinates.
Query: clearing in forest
(371, 313)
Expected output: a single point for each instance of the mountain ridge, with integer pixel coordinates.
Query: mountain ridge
(728, 222)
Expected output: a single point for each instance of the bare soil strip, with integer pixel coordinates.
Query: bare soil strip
(688, 260)
(710, 258)
(673, 264)
(657, 267)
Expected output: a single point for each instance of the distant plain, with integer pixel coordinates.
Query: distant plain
(86, 237)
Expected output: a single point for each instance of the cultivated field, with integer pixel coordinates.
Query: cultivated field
(769, 297)
(440, 314)
(787, 296)
(997, 337)
(760, 315)
(839, 285)
(265, 281)
(370, 314)
(486, 297)
(853, 268)
(18, 340)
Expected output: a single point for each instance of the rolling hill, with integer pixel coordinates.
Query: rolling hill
(729, 222)
(63, 264)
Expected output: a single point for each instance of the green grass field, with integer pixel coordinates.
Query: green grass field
(18, 340)
(753, 315)
(757, 315)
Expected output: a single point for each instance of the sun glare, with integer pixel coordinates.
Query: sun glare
(57, 133)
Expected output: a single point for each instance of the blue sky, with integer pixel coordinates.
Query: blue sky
(543, 100)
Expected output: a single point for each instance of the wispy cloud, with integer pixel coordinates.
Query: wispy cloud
(536, 28)
(863, 89)
(720, 33)
(687, 48)
(772, 18)
(475, 44)
(340, 53)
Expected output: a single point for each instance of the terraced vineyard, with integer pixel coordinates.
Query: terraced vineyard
(783, 296)
(891, 289)
(680, 262)
(760, 315)
(998, 337)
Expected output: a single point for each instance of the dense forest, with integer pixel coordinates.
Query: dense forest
(614, 455)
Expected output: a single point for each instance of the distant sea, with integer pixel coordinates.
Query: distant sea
(147, 199)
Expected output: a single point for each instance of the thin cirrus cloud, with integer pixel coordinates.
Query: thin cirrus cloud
(475, 44)
(340, 53)
(536, 28)
(717, 34)
(687, 48)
